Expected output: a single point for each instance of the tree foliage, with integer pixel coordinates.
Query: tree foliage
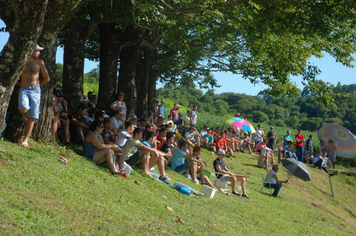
(304, 112)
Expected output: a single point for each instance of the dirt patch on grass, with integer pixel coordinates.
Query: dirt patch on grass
(3, 162)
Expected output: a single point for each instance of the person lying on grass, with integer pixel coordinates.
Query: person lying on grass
(182, 161)
(224, 174)
(95, 150)
(144, 157)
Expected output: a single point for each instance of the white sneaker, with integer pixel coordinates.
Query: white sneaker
(196, 181)
(188, 176)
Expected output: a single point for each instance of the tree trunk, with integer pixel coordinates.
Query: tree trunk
(128, 63)
(25, 21)
(109, 53)
(43, 128)
(73, 62)
(142, 80)
(57, 16)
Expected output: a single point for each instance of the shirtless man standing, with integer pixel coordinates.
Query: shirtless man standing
(30, 91)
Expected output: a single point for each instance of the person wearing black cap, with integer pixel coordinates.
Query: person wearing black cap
(271, 138)
(272, 178)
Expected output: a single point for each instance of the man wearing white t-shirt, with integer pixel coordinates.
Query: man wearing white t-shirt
(116, 121)
(272, 178)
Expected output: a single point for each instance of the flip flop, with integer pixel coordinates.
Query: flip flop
(24, 144)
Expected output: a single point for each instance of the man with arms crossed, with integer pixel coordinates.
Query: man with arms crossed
(30, 91)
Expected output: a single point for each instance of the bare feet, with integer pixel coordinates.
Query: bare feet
(24, 144)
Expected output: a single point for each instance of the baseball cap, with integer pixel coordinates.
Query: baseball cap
(162, 100)
(38, 48)
(221, 152)
(196, 148)
(271, 127)
(275, 166)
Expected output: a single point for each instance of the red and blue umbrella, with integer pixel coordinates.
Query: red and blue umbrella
(342, 137)
(242, 124)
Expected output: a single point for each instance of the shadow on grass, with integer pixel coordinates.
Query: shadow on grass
(248, 164)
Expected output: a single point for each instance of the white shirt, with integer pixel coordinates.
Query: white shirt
(190, 135)
(203, 132)
(194, 117)
(259, 132)
(117, 123)
(123, 135)
(269, 177)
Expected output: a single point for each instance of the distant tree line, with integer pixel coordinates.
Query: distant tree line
(299, 111)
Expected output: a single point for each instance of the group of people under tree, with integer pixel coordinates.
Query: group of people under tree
(154, 140)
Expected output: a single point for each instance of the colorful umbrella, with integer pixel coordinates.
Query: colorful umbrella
(342, 137)
(242, 124)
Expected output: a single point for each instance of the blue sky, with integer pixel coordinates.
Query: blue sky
(332, 72)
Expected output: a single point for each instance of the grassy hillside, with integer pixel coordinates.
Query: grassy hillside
(41, 196)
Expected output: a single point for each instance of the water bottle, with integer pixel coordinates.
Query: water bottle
(182, 189)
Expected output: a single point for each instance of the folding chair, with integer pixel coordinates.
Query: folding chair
(266, 185)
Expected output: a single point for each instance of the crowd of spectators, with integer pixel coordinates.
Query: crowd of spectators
(172, 141)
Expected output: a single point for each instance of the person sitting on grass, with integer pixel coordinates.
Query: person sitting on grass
(192, 137)
(320, 160)
(208, 141)
(272, 178)
(144, 157)
(205, 180)
(221, 144)
(248, 143)
(95, 150)
(265, 155)
(308, 155)
(182, 162)
(229, 141)
(238, 143)
(224, 174)
(63, 127)
(78, 124)
(289, 151)
(116, 120)
(167, 147)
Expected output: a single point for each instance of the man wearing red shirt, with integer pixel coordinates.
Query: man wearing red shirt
(299, 144)
(221, 144)
(162, 137)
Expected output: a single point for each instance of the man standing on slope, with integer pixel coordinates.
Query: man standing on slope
(30, 91)
(299, 144)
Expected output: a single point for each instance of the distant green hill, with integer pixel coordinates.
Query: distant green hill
(41, 196)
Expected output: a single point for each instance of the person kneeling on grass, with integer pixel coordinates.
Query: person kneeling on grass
(191, 163)
(144, 157)
(224, 174)
(95, 150)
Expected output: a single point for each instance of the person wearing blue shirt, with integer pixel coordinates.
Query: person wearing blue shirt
(161, 107)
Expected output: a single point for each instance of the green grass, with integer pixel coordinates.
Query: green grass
(41, 196)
